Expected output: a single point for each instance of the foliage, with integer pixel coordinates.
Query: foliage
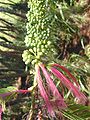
(12, 33)
(48, 16)
(54, 32)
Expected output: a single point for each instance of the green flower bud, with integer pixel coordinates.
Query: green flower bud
(34, 61)
(49, 43)
(40, 53)
(27, 61)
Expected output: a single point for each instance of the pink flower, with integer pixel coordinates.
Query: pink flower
(59, 101)
(67, 71)
(43, 92)
(65, 81)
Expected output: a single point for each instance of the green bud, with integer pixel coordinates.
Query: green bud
(27, 61)
(49, 43)
(43, 50)
(34, 49)
(25, 58)
(34, 61)
(38, 57)
(40, 53)
(42, 47)
(30, 50)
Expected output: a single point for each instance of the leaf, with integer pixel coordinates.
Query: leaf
(8, 89)
(79, 110)
(71, 116)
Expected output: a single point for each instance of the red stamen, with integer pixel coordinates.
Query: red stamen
(67, 71)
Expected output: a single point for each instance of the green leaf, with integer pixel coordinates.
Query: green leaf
(8, 89)
(77, 112)
(71, 116)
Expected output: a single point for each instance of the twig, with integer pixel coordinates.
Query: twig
(31, 112)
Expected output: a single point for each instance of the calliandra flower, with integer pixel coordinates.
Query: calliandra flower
(58, 98)
(65, 81)
(43, 92)
(67, 71)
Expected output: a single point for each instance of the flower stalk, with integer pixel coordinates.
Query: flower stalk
(31, 112)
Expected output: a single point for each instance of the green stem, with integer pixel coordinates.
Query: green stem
(31, 112)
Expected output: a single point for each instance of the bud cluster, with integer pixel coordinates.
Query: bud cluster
(39, 38)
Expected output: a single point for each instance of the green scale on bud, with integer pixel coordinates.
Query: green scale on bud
(39, 36)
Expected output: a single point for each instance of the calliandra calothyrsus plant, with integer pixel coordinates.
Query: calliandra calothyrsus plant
(40, 40)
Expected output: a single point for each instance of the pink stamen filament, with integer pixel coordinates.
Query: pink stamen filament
(69, 85)
(67, 71)
(43, 92)
(56, 94)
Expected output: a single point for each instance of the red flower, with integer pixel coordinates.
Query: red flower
(58, 98)
(67, 71)
(65, 81)
(57, 101)
(43, 92)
